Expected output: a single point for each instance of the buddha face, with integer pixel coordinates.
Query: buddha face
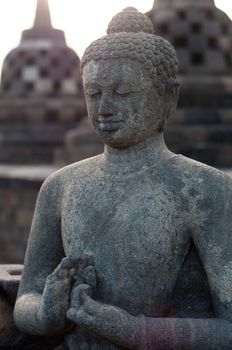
(123, 104)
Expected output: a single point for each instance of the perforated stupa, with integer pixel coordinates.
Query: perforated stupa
(41, 95)
(201, 35)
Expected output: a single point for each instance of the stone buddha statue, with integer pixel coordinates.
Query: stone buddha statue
(131, 249)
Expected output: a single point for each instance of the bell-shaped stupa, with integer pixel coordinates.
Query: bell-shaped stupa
(201, 35)
(41, 94)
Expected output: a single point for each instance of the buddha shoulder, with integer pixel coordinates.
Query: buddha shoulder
(202, 180)
(72, 174)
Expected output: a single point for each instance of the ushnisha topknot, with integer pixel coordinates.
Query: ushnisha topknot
(130, 20)
(131, 36)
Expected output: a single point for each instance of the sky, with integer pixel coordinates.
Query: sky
(82, 20)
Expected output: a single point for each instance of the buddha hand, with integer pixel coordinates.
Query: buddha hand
(56, 295)
(107, 321)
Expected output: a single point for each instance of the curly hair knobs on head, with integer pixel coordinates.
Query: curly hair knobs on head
(131, 35)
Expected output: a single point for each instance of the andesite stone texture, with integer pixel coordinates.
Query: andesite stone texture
(131, 249)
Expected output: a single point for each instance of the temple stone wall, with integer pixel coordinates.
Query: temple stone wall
(19, 188)
(202, 126)
(31, 130)
(79, 143)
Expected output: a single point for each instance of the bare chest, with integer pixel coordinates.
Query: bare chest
(131, 216)
(136, 233)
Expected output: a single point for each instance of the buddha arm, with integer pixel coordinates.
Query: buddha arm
(35, 311)
(212, 237)
(213, 240)
(183, 333)
(147, 333)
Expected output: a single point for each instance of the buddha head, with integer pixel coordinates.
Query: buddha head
(129, 79)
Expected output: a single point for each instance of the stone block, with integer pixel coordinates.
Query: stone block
(11, 338)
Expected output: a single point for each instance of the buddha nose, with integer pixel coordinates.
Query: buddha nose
(106, 106)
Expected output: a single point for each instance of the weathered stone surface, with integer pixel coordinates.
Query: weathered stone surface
(131, 249)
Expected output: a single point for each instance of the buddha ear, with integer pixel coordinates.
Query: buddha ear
(172, 94)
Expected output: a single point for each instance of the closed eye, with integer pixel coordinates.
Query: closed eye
(123, 93)
(93, 93)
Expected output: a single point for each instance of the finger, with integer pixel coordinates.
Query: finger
(77, 280)
(80, 291)
(69, 263)
(89, 258)
(89, 276)
(81, 318)
(85, 261)
(78, 295)
(91, 306)
(65, 267)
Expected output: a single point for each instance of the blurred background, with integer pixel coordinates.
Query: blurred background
(43, 122)
(82, 21)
